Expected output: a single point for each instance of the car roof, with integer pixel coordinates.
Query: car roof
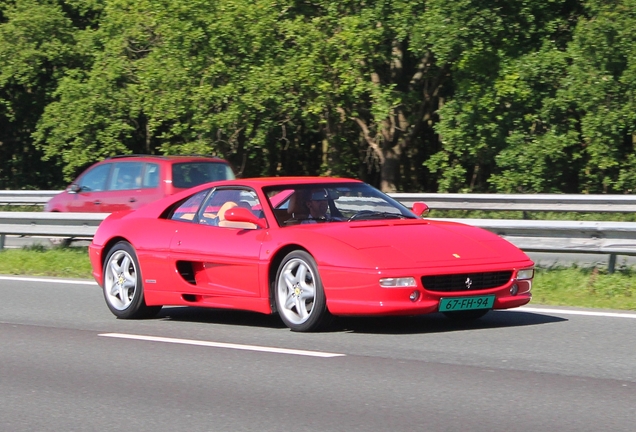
(168, 158)
(259, 182)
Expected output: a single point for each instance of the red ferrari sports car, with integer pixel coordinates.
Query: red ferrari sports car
(306, 248)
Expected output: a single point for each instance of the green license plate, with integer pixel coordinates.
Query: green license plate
(466, 303)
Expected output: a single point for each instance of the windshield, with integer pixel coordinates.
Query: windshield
(300, 204)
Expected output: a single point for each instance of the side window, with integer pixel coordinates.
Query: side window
(151, 176)
(95, 178)
(126, 175)
(221, 200)
(187, 211)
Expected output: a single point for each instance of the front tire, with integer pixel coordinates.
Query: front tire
(300, 296)
(123, 287)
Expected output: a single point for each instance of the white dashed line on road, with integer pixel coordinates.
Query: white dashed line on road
(223, 345)
(574, 312)
(45, 280)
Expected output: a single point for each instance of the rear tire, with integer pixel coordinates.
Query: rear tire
(123, 287)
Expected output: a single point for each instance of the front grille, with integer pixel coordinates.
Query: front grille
(466, 281)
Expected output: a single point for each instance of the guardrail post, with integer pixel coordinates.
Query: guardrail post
(2, 236)
(611, 264)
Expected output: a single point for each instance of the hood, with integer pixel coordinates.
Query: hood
(421, 242)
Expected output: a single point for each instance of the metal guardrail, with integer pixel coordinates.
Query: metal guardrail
(44, 224)
(442, 201)
(523, 202)
(612, 238)
(20, 197)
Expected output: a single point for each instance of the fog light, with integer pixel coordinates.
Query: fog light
(514, 289)
(414, 296)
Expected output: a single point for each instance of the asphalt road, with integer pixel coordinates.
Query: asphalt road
(66, 364)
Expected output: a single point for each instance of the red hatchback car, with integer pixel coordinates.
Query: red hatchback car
(305, 248)
(128, 182)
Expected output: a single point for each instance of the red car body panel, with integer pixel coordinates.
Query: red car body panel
(234, 268)
(110, 200)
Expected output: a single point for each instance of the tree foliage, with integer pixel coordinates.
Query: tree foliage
(420, 95)
(37, 40)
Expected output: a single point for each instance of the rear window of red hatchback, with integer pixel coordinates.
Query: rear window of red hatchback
(189, 174)
(128, 182)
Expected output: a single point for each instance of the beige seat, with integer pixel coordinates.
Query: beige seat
(297, 209)
(229, 224)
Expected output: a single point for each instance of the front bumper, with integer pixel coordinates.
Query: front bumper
(364, 296)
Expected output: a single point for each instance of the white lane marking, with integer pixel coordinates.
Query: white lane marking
(223, 345)
(61, 281)
(575, 312)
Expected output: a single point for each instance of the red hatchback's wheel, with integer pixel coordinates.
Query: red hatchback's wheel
(300, 297)
(123, 289)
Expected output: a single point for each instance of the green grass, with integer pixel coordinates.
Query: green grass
(572, 286)
(586, 287)
(21, 208)
(71, 262)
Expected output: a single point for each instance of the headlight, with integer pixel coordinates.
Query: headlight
(525, 274)
(397, 282)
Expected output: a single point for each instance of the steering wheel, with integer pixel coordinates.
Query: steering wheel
(360, 214)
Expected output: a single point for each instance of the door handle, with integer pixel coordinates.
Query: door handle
(133, 199)
(98, 202)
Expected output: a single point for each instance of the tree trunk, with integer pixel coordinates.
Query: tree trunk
(390, 169)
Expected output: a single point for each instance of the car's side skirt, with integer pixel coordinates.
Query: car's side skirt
(163, 298)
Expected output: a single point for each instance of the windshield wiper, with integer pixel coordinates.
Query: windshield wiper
(371, 215)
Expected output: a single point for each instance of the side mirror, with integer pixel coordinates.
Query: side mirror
(420, 209)
(240, 214)
(74, 188)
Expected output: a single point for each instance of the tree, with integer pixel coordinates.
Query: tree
(503, 81)
(409, 95)
(291, 87)
(171, 77)
(579, 136)
(38, 42)
(600, 90)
